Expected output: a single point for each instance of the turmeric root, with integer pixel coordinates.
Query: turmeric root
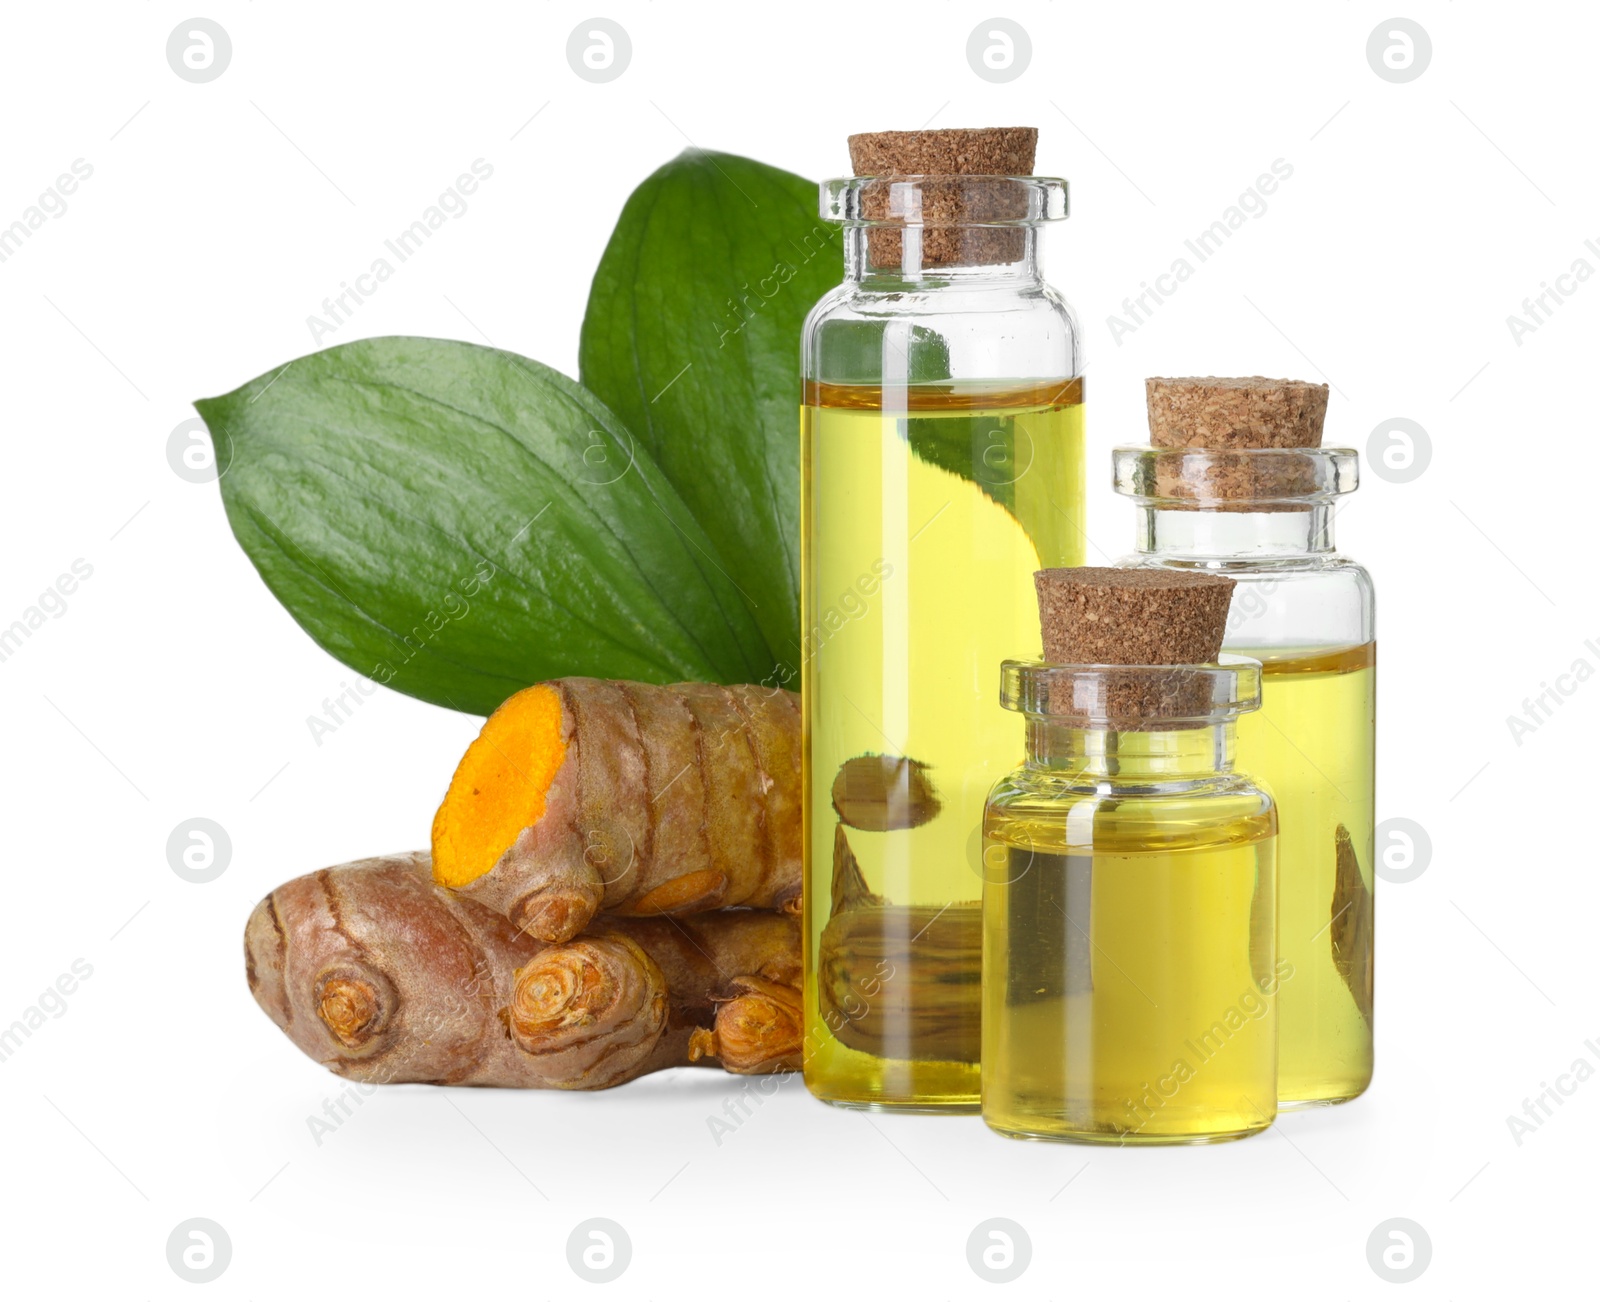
(383, 977)
(379, 975)
(703, 969)
(1351, 929)
(582, 796)
(884, 793)
(899, 981)
(759, 1030)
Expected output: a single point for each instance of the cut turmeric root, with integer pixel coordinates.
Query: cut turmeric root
(382, 976)
(584, 796)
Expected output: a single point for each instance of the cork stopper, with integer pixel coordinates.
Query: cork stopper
(1236, 414)
(1093, 615)
(950, 210)
(961, 151)
(1098, 616)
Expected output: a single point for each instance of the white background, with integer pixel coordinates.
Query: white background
(219, 216)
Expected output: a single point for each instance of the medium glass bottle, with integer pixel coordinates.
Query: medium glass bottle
(1129, 963)
(1264, 518)
(942, 438)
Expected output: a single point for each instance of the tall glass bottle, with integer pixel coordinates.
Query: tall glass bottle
(1264, 518)
(942, 438)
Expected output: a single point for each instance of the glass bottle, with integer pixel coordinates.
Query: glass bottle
(942, 437)
(1264, 518)
(1129, 964)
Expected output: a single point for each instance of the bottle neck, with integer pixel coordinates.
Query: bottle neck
(1178, 755)
(1242, 535)
(864, 262)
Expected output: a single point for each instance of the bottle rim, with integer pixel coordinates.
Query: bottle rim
(943, 201)
(1145, 698)
(1234, 478)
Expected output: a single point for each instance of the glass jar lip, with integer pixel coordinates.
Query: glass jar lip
(1098, 696)
(1234, 478)
(965, 199)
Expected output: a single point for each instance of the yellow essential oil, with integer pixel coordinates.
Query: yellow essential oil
(926, 510)
(1129, 960)
(1133, 960)
(1312, 745)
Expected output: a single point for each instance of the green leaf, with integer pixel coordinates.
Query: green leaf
(459, 522)
(997, 451)
(981, 448)
(692, 336)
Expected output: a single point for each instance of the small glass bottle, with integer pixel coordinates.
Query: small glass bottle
(1129, 963)
(942, 439)
(1264, 518)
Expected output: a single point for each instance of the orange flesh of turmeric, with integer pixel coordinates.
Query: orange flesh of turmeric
(500, 786)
